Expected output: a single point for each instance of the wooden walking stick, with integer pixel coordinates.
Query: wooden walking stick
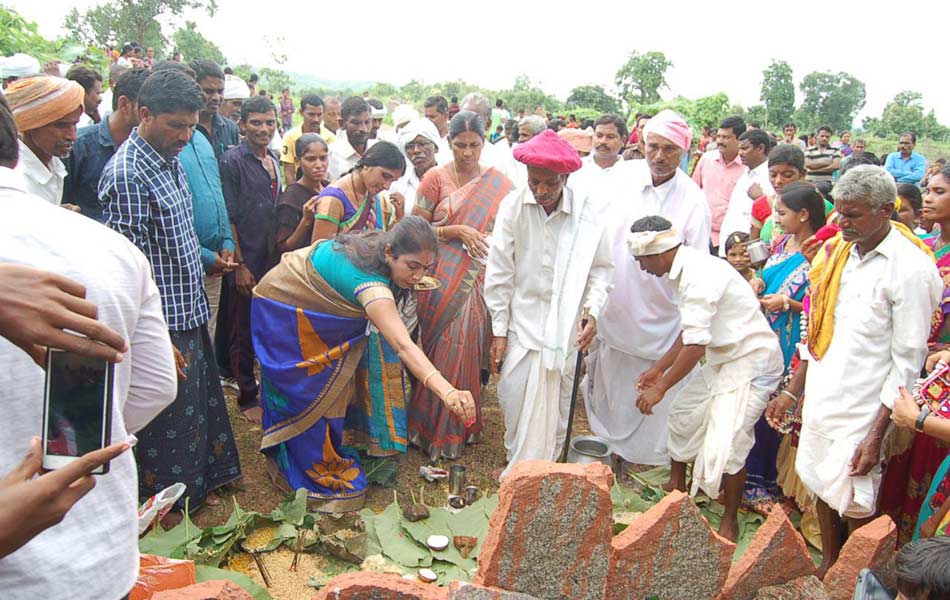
(577, 384)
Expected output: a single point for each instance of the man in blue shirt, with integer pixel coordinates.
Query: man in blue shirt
(222, 133)
(906, 165)
(96, 144)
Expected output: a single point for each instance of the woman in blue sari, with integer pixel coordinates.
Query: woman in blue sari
(800, 212)
(310, 325)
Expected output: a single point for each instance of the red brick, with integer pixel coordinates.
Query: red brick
(550, 535)
(803, 588)
(776, 555)
(669, 552)
(218, 589)
(459, 590)
(869, 547)
(370, 585)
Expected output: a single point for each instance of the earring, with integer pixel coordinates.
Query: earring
(802, 220)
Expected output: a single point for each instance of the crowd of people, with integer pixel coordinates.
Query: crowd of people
(752, 309)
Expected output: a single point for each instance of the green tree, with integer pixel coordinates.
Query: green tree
(641, 78)
(19, 35)
(830, 99)
(192, 44)
(778, 93)
(124, 21)
(524, 94)
(592, 96)
(709, 111)
(906, 113)
(274, 80)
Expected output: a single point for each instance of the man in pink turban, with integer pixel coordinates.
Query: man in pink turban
(641, 320)
(549, 261)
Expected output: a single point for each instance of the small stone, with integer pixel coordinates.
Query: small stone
(776, 555)
(218, 589)
(803, 588)
(368, 585)
(459, 590)
(869, 547)
(669, 552)
(550, 534)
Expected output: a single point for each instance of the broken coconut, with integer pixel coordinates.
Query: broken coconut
(417, 510)
(437, 542)
(465, 544)
(427, 575)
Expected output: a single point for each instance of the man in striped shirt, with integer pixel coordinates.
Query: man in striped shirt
(822, 159)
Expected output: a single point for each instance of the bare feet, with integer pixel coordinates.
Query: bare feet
(729, 529)
(212, 499)
(254, 414)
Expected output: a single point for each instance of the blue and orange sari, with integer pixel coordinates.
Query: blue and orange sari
(310, 333)
(454, 317)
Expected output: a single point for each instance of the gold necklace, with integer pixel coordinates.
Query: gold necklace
(455, 175)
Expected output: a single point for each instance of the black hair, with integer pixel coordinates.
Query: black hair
(553, 124)
(455, 99)
(924, 566)
(228, 71)
(310, 100)
(257, 104)
(754, 125)
(734, 124)
(170, 65)
(354, 105)
(84, 76)
(736, 237)
(439, 102)
(374, 103)
(824, 188)
(789, 125)
(913, 136)
(651, 223)
(206, 68)
(647, 116)
(383, 154)
(787, 154)
(367, 251)
(616, 121)
(128, 85)
(303, 142)
(941, 161)
(170, 91)
(253, 78)
(861, 158)
(910, 193)
(466, 120)
(800, 196)
(757, 137)
(499, 103)
(825, 128)
(9, 143)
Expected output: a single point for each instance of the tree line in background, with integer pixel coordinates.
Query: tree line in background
(832, 99)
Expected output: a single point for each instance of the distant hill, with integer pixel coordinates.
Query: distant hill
(305, 81)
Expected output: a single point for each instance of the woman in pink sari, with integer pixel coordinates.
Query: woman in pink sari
(460, 200)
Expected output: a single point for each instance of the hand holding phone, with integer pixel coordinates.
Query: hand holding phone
(30, 504)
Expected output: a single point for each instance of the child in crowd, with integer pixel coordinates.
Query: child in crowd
(738, 257)
(910, 204)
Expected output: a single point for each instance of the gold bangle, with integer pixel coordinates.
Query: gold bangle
(445, 399)
(425, 380)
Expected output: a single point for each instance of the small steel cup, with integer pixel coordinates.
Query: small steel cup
(456, 480)
(471, 494)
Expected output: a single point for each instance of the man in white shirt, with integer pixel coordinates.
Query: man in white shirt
(95, 548)
(754, 146)
(641, 321)
(46, 110)
(873, 293)
(348, 149)
(549, 258)
(419, 141)
(712, 418)
(604, 176)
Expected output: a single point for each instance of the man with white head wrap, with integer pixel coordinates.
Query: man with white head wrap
(16, 67)
(236, 92)
(640, 320)
(712, 418)
(419, 141)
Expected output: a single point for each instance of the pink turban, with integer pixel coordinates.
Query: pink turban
(548, 151)
(670, 125)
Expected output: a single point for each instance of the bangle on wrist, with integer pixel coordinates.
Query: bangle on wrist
(425, 380)
(919, 425)
(785, 303)
(790, 395)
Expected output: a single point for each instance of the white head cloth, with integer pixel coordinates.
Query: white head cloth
(404, 113)
(235, 88)
(648, 243)
(18, 65)
(377, 113)
(421, 126)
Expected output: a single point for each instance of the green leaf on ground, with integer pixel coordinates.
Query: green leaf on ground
(396, 543)
(170, 543)
(381, 471)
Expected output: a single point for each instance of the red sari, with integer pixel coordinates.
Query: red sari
(454, 318)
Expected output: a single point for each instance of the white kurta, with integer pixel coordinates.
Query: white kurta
(739, 214)
(606, 187)
(712, 420)
(640, 321)
(407, 186)
(542, 270)
(43, 181)
(881, 325)
(343, 156)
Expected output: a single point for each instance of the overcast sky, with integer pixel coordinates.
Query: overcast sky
(713, 46)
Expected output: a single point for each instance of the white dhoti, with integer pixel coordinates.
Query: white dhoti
(824, 466)
(534, 402)
(712, 419)
(610, 398)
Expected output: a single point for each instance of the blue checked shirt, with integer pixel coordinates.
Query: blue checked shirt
(146, 198)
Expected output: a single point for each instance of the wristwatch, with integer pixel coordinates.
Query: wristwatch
(924, 413)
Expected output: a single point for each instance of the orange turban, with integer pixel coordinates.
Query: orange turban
(39, 101)
(581, 140)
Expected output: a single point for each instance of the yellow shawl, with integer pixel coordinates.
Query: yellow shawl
(825, 278)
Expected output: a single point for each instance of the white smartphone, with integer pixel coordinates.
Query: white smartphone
(77, 408)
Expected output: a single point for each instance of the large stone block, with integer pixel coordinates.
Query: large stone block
(776, 555)
(869, 547)
(370, 585)
(803, 588)
(669, 552)
(469, 591)
(218, 589)
(550, 535)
